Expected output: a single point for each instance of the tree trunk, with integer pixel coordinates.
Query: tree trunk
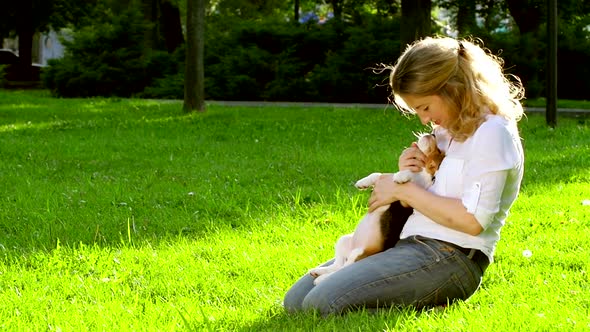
(296, 16)
(528, 16)
(194, 80)
(551, 110)
(25, 34)
(337, 9)
(171, 26)
(150, 14)
(466, 17)
(415, 21)
(526, 13)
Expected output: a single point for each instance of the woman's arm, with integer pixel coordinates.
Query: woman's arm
(448, 212)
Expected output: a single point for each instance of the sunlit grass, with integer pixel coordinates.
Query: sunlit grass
(561, 103)
(131, 215)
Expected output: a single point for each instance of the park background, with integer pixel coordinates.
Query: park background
(273, 50)
(121, 212)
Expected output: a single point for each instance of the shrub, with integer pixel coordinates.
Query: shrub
(348, 73)
(572, 58)
(167, 75)
(2, 75)
(106, 59)
(282, 61)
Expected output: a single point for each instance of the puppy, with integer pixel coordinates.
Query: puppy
(380, 229)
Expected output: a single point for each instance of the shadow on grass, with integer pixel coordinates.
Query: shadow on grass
(299, 149)
(100, 171)
(362, 320)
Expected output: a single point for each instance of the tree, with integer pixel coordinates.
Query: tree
(528, 14)
(25, 31)
(463, 14)
(415, 21)
(352, 10)
(551, 110)
(170, 25)
(149, 9)
(337, 9)
(25, 17)
(252, 9)
(165, 31)
(194, 82)
(466, 17)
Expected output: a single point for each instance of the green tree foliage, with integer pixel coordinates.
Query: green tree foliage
(254, 51)
(104, 59)
(525, 48)
(574, 49)
(250, 9)
(517, 30)
(24, 18)
(415, 20)
(272, 61)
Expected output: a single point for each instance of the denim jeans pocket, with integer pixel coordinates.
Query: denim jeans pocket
(423, 242)
(449, 291)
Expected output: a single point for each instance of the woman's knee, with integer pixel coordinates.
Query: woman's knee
(315, 301)
(303, 296)
(293, 301)
(294, 297)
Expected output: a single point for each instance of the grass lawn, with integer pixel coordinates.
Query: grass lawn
(121, 215)
(561, 103)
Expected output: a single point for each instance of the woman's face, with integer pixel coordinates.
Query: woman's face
(429, 108)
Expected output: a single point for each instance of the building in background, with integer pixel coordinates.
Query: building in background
(46, 46)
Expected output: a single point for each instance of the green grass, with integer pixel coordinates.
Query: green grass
(561, 103)
(130, 215)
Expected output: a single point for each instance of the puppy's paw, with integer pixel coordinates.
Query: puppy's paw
(316, 272)
(321, 278)
(403, 176)
(362, 184)
(313, 273)
(367, 181)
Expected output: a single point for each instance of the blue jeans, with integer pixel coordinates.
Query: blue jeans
(418, 271)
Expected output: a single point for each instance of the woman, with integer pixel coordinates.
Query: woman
(447, 243)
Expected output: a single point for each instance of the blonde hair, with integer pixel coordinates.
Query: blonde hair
(467, 76)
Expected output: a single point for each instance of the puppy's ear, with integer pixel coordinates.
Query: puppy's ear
(431, 166)
(432, 148)
(437, 158)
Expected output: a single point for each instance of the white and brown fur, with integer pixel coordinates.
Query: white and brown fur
(380, 229)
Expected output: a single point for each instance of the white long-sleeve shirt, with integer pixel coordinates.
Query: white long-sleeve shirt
(485, 172)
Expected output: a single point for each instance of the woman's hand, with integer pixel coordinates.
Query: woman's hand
(445, 211)
(412, 158)
(384, 192)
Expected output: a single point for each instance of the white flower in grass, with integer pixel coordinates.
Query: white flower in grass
(527, 253)
(586, 202)
(191, 193)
